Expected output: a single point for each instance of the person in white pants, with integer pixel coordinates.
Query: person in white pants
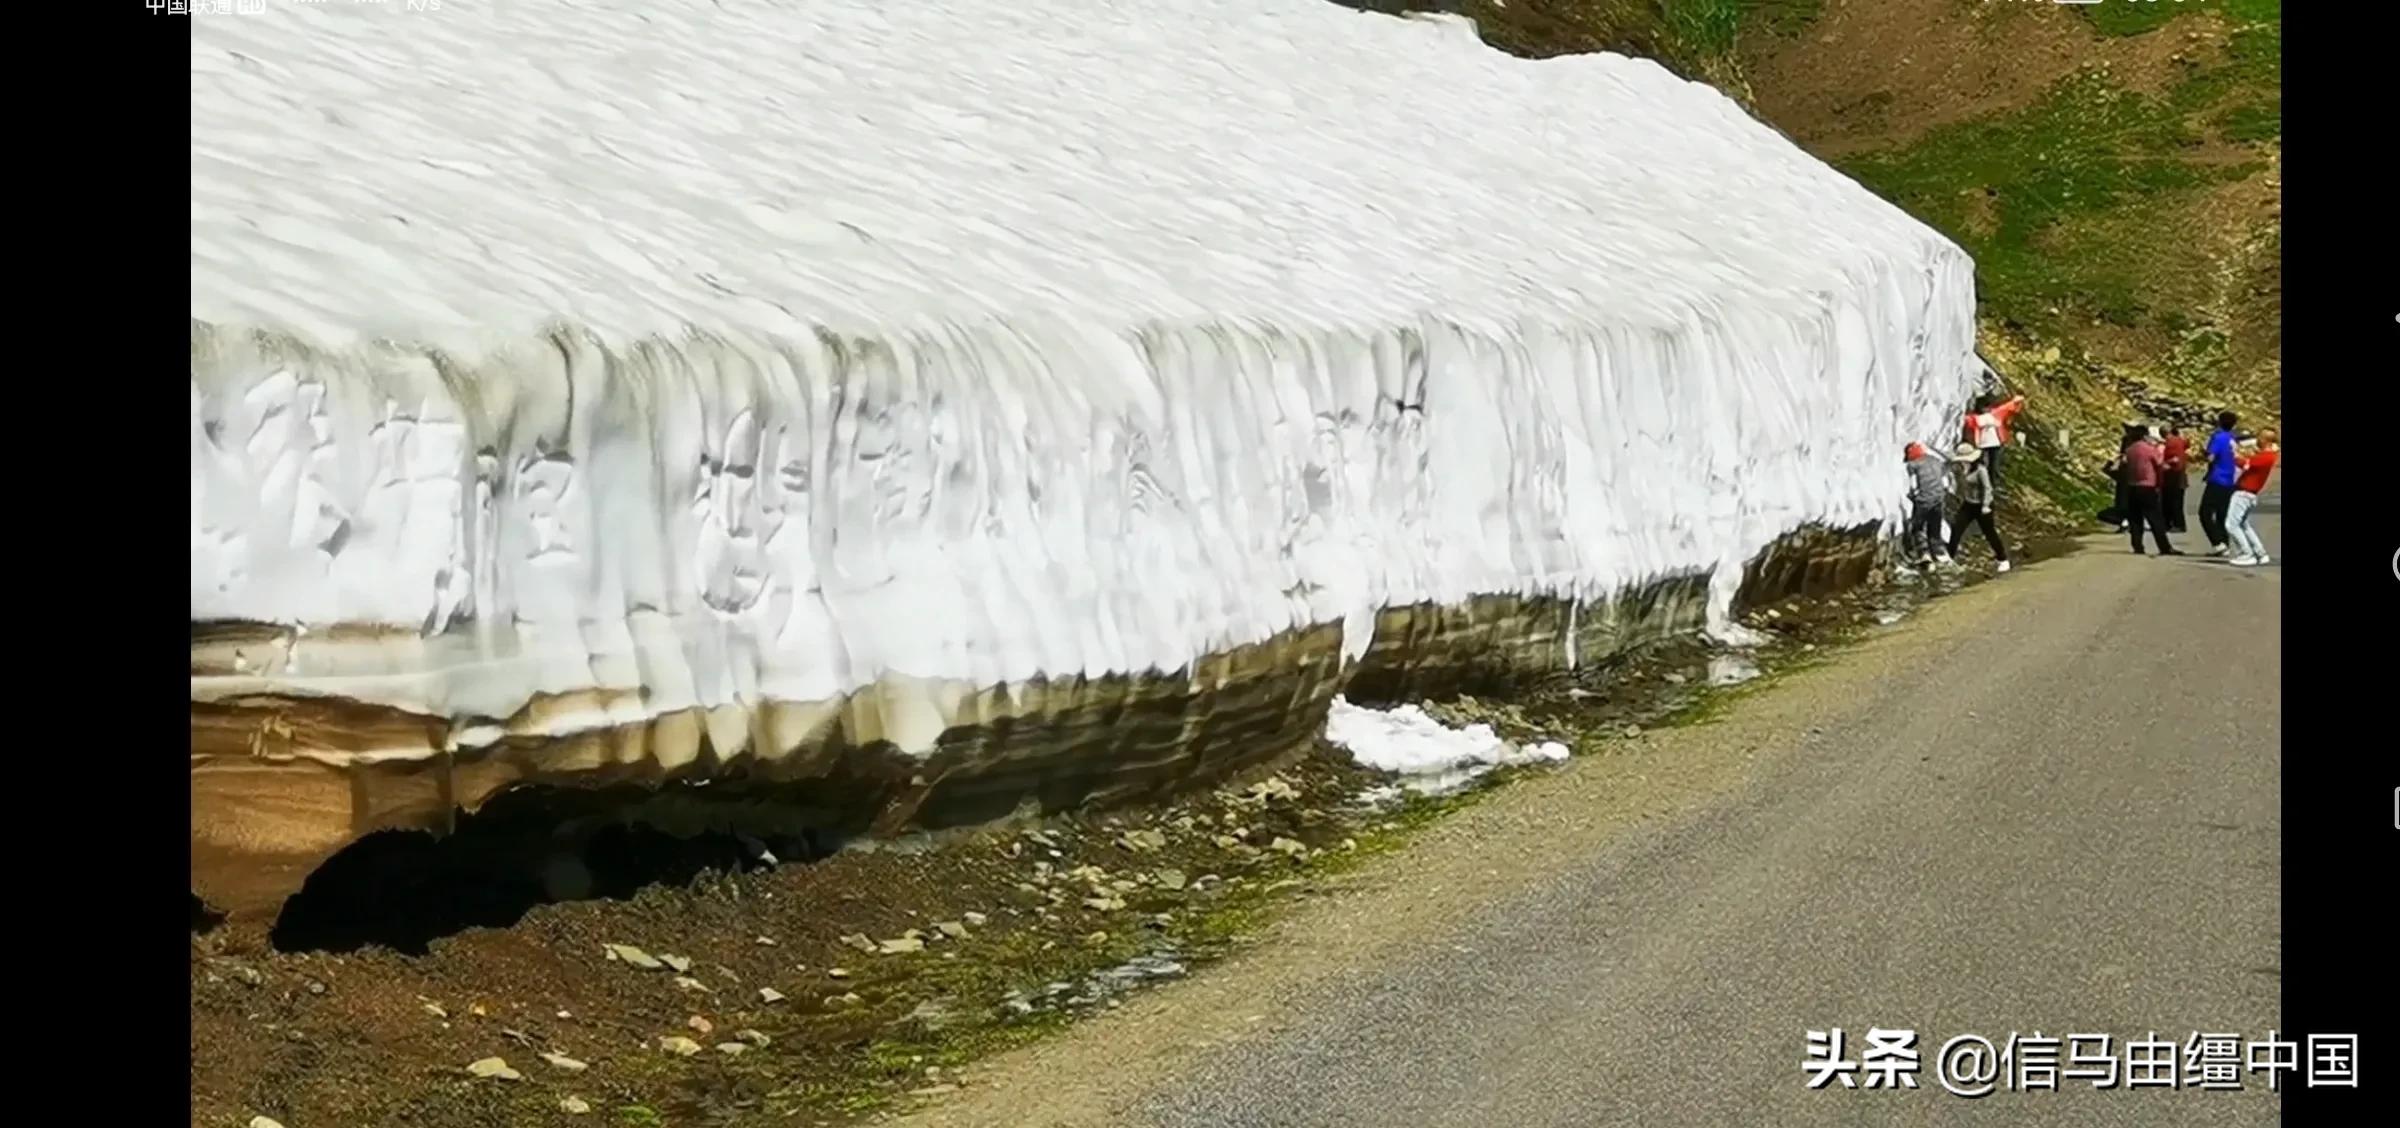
(2257, 463)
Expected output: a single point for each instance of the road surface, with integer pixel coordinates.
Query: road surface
(2049, 803)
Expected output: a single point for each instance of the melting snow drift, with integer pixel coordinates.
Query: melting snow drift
(645, 356)
(1438, 758)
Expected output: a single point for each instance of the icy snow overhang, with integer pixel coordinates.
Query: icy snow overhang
(563, 368)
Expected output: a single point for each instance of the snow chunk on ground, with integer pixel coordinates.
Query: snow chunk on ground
(1435, 757)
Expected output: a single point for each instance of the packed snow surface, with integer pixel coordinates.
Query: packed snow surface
(1408, 741)
(728, 351)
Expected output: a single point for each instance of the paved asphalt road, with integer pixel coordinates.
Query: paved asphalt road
(2053, 806)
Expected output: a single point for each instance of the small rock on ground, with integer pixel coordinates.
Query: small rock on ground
(634, 956)
(495, 1068)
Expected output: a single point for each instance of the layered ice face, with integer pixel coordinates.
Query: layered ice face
(641, 356)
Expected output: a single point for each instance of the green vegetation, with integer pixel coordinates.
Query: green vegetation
(2008, 190)
(1695, 38)
(2136, 17)
(1780, 17)
(2062, 203)
(1703, 27)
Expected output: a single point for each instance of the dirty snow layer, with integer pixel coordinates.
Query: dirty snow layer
(722, 352)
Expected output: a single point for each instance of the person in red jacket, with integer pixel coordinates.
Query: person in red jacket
(2257, 464)
(2171, 485)
(1987, 428)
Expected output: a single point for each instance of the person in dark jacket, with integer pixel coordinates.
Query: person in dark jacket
(2145, 465)
(1975, 500)
(2121, 504)
(1928, 485)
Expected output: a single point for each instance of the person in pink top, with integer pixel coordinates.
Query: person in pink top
(1987, 428)
(2145, 468)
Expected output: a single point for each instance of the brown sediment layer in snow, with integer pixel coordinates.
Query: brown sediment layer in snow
(280, 783)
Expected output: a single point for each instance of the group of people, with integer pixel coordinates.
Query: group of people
(2151, 472)
(1971, 473)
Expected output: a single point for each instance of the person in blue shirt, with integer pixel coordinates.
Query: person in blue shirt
(2217, 494)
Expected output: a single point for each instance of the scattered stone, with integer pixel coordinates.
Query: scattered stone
(1227, 842)
(1171, 880)
(901, 946)
(1287, 847)
(315, 988)
(574, 1106)
(846, 999)
(766, 941)
(1144, 841)
(1349, 844)
(493, 1067)
(756, 1038)
(769, 995)
(681, 964)
(265, 1122)
(976, 920)
(561, 1061)
(1103, 904)
(732, 1049)
(1676, 679)
(952, 929)
(1633, 732)
(1272, 788)
(837, 973)
(632, 955)
(859, 940)
(690, 984)
(699, 1025)
(476, 1009)
(679, 1045)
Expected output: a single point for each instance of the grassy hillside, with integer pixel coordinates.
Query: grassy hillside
(2114, 169)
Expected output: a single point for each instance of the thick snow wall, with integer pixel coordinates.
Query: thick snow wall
(718, 353)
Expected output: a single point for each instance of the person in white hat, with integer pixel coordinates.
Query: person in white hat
(1974, 490)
